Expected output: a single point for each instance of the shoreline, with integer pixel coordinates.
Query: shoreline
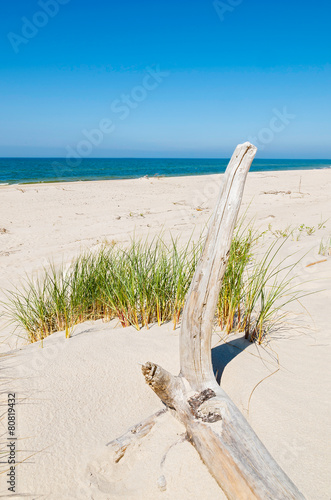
(151, 177)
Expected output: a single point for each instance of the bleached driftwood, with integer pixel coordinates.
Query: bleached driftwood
(119, 445)
(229, 447)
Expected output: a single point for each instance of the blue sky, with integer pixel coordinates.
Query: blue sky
(247, 70)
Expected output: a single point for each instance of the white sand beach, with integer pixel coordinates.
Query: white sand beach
(76, 395)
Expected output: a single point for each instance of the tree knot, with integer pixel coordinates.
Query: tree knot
(205, 412)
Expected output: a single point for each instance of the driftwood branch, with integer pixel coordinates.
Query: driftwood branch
(226, 443)
(199, 312)
(120, 445)
(229, 447)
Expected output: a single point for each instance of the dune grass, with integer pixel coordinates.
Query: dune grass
(147, 282)
(270, 285)
(325, 247)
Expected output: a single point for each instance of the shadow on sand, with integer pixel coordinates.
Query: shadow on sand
(222, 354)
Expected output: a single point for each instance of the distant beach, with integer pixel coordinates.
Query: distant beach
(35, 170)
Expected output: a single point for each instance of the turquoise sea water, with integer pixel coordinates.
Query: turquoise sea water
(30, 170)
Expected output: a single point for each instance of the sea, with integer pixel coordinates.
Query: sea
(35, 170)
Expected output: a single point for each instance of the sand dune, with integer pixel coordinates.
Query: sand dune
(76, 395)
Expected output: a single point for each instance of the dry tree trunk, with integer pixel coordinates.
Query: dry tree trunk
(227, 444)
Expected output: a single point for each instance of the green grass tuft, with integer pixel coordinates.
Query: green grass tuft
(147, 282)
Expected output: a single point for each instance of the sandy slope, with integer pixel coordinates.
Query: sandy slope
(76, 395)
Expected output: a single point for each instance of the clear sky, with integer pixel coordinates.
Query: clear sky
(165, 78)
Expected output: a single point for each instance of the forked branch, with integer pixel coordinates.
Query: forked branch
(234, 455)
